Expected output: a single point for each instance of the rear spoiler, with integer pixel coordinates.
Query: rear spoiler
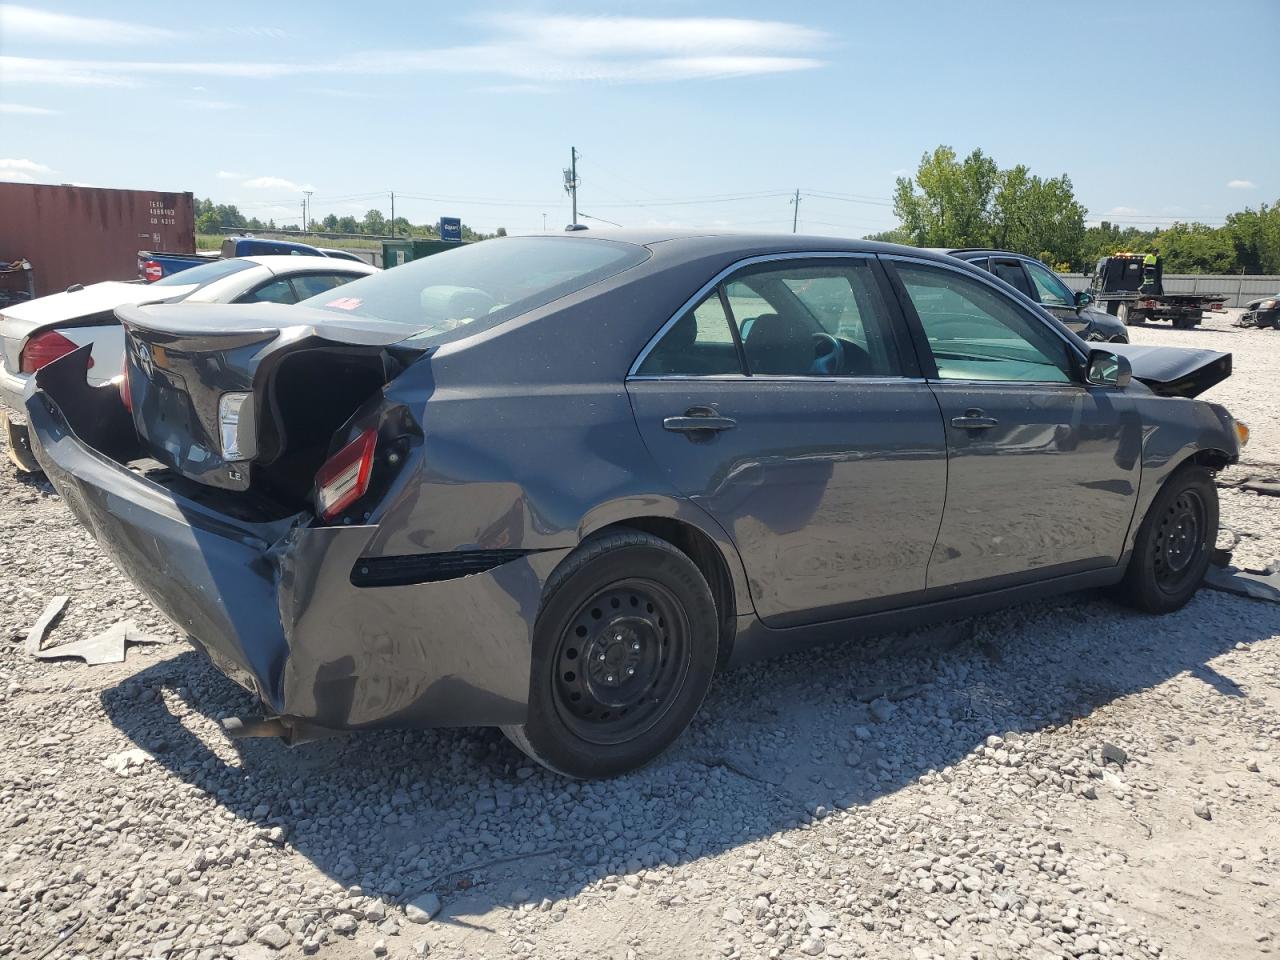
(1175, 371)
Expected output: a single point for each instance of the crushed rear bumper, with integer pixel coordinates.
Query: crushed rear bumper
(273, 605)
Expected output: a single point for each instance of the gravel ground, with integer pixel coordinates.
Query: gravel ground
(1065, 779)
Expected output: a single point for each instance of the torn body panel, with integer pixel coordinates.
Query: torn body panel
(273, 605)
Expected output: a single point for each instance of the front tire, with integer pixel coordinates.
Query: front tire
(1174, 544)
(624, 650)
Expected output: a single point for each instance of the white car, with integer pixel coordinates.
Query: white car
(40, 331)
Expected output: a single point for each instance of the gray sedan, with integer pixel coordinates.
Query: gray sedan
(554, 484)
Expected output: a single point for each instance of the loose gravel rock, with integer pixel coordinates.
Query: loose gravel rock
(1023, 785)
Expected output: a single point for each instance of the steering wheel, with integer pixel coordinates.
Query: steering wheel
(828, 356)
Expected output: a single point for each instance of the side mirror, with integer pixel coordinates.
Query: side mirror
(1107, 369)
(1083, 298)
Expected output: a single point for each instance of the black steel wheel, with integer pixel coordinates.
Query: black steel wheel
(1174, 543)
(1179, 541)
(621, 660)
(624, 651)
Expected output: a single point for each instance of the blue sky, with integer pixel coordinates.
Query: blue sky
(705, 114)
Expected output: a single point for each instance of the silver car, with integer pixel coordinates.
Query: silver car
(40, 331)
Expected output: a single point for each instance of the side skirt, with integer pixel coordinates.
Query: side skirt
(755, 641)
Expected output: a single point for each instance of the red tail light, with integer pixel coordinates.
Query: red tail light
(45, 348)
(151, 271)
(122, 384)
(345, 476)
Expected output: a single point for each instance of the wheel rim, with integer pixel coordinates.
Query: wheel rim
(1179, 541)
(621, 661)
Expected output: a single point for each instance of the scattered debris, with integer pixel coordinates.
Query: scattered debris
(105, 647)
(1258, 584)
(126, 760)
(1113, 754)
(423, 908)
(1202, 811)
(35, 636)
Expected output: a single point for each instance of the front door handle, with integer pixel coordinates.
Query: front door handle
(974, 419)
(697, 419)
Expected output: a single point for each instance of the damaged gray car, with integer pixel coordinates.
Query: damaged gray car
(553, 484)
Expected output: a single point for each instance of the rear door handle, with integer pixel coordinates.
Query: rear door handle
(697, 419)
(974, 419)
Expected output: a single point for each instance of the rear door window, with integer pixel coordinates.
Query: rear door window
(813, 318)
(699, 344)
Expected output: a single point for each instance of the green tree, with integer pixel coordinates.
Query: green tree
(502, 232)
(375, 222)
(208, 222)
(348, 224)
(1255, 234)
(1040, 218)
(330, 222)
(952, 207)
(1196, 248)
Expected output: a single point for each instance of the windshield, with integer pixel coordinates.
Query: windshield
(205, 273)
(480, 285)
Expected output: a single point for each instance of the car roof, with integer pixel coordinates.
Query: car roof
(283, 262)
(739, 243)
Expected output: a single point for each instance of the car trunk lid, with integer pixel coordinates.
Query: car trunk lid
(292, 374)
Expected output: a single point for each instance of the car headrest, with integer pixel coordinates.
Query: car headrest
(779, 345)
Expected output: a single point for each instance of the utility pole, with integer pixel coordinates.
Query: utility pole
(571, 181)
(304, 214)
(306, 209)
(795, 217)
(393, 213)
(544, 223)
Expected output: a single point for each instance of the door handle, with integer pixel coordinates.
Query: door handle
(974, 419)
(697, 419)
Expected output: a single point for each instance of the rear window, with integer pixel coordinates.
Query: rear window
(205, 273)
(479, 285)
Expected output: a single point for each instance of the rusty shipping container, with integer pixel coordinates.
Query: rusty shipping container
(86, 234)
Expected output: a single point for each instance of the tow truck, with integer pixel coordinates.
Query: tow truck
(1118, 288)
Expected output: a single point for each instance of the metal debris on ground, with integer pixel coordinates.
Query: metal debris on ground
(105, 647)
(36, 635)
(1267, 486)
(1113, 754)
(1258, 584)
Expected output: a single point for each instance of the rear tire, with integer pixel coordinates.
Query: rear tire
(1174, 544)
(1122, 313)
(624, 650)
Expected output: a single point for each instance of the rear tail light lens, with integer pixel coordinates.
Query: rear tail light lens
(44, 348)
(151, 271)
(122, 384)
(345, 476)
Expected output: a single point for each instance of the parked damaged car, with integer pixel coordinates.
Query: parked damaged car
(554, 483)
(1035, 281)
(1262, 312)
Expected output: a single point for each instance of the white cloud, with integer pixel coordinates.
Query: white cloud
(1121, 212)
(1242, 185)
(228, 175)
(27, 23)
(27, 110)
(522, 49)
(64, 73)
(22, 171)
(275, 183)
